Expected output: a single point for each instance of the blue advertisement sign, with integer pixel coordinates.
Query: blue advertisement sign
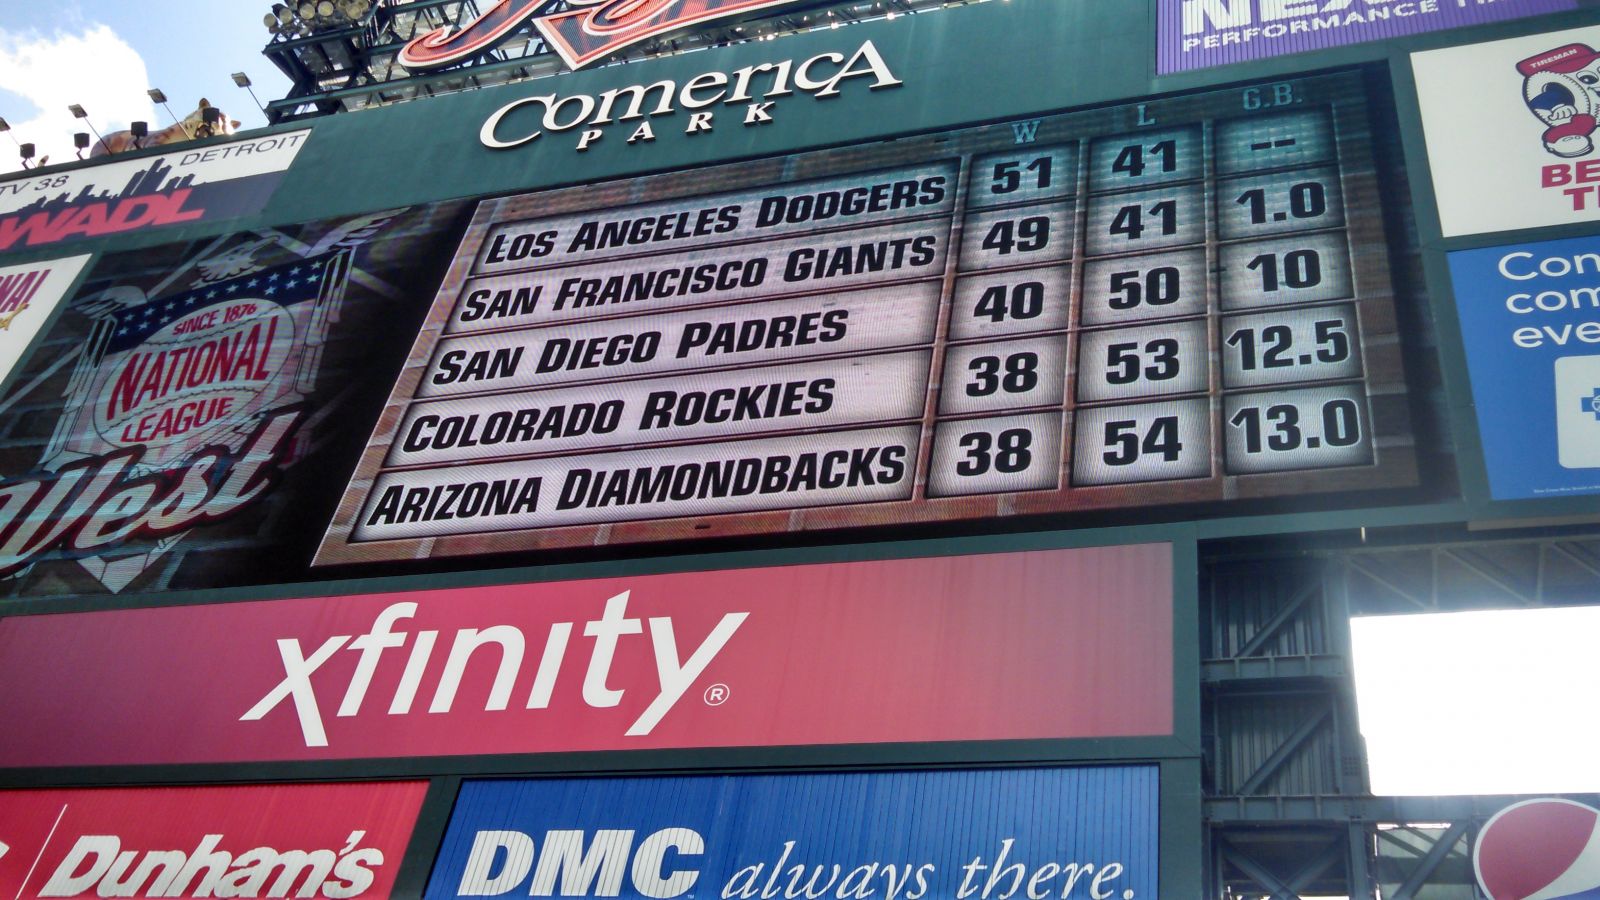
(1530, 318)
(1085, 833)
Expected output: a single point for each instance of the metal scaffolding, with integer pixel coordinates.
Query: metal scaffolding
(1288, 809)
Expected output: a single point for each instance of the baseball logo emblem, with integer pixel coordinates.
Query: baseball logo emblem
(203, 370)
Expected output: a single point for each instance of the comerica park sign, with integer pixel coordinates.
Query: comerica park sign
(583, 32)
(752, 92)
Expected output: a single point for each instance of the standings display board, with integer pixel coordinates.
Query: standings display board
(1185, 300)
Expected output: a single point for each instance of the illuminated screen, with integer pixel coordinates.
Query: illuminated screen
(1479, 702)
(1185, 300)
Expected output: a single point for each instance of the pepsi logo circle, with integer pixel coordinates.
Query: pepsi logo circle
(205, 370)
(1546, 849)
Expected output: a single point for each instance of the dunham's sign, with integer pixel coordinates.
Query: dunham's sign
(1078, 642)
(334, 841)
(203, 184)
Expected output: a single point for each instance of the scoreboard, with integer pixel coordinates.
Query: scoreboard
(1185, 300)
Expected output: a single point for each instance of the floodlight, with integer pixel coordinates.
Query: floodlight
(81, 140)
(140, 129)
(78, 113)
(307, 11)
(325, 8)
(4, 125)
(27, 151)
(243, 80)
(156, 96)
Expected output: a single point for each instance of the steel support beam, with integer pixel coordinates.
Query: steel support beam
(1430, 863)
(1288, 749)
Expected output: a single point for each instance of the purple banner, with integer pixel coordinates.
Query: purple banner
(1196, 34)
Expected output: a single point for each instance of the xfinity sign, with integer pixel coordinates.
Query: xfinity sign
(510, 644)
(843, 653)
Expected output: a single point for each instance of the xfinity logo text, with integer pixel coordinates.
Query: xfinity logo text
(675, 674)
(754, 87)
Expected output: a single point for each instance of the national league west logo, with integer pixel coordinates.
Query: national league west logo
(181, 409)
(583, 32)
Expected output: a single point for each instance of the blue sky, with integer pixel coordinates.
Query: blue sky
(104, 54)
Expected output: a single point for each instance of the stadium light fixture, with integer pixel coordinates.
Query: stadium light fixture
(158, 96)
(81, 142)
(243, 80)
(210, 117)
(140, 131)
(27, 153)
(6, 127)
(79, 113)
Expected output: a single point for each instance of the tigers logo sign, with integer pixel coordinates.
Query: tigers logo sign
(587, 30)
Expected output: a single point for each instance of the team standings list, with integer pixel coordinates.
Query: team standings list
(1185, 300)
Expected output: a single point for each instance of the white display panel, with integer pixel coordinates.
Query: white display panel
(1506, 725)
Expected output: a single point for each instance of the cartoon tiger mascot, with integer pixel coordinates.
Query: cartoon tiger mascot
(191, 128)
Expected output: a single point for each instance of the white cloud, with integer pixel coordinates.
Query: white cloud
(94, 68)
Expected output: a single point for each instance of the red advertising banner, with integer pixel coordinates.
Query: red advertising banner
(305, 840)
(1043, 644)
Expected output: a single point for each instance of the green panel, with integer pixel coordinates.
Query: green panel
(994, 61)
